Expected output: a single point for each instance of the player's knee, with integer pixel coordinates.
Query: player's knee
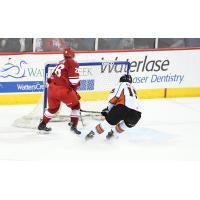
(76, 106)
(53, 111)
(129, 124)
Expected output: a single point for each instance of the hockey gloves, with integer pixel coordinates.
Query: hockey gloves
(49, 80)
(104, 112)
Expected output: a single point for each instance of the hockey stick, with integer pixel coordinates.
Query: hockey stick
(81, 120)
(87, 111)
(90, 111)
(128, 68)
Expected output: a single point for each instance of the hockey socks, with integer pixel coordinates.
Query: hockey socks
(120, 127)
(100, 128)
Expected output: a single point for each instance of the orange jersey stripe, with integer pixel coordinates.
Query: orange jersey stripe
(120, 100)
(114, 100)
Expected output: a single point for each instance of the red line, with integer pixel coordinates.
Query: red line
(101, 51)
(139, 50)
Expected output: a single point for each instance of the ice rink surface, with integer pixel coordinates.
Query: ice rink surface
(168, 130)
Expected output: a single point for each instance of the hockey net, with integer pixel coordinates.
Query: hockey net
(97, 80)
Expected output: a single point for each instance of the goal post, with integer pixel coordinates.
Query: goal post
(96, 80)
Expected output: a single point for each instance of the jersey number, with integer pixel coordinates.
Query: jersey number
(59, 69)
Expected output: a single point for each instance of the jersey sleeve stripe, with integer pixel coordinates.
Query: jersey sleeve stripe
(74, 81)
(73, 77)
(122, 98)
(114, 100)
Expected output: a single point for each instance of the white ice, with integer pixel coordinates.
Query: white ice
(168, 130)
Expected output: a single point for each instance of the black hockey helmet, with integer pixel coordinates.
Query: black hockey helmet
(126, 78)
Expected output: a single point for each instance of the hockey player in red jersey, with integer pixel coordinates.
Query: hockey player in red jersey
(63, 85)
(123, 111)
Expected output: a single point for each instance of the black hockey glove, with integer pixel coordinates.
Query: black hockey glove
(104, 112)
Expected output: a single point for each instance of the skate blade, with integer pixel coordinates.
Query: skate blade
(42, 132)
(72, 131)
(111, 140)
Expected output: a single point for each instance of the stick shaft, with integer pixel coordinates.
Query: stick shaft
(90, 111)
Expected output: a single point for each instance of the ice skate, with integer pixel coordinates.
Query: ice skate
(110, 135)
(74, 129)
(89, 136)
(43, 128)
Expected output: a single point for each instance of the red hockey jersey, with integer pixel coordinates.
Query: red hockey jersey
(66, 74)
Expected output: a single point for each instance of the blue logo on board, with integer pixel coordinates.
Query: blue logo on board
(12, 70)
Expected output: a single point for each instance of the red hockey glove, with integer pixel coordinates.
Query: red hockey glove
(49, 80)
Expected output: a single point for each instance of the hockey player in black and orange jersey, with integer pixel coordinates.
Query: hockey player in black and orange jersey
(123, 110)
(63, 85)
